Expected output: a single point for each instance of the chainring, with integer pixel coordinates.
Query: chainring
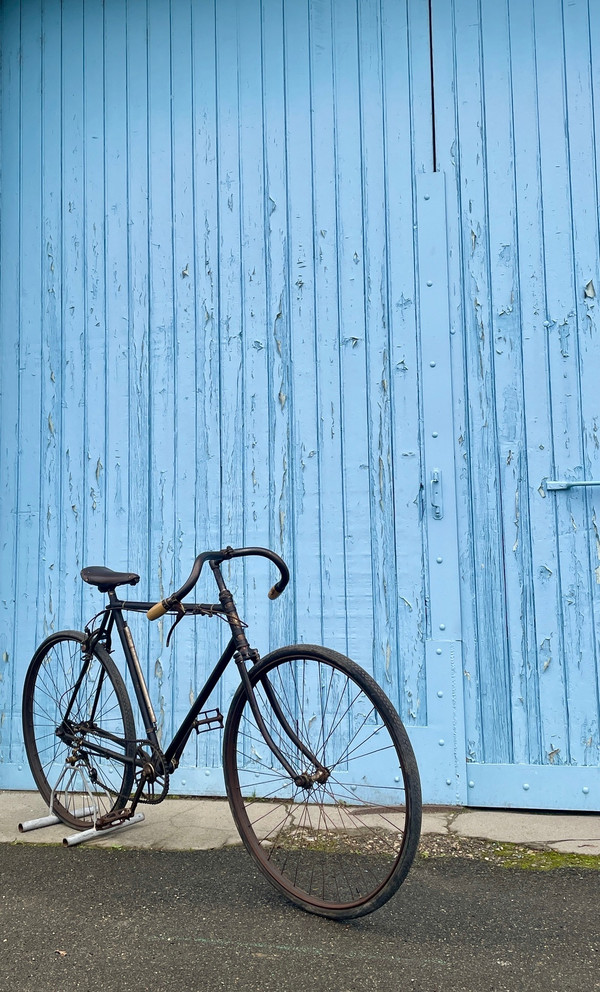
(154, 770)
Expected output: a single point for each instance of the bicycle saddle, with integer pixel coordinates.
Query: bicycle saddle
(106, 580)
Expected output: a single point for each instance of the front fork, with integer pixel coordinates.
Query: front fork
(303, 779)
(244, 654)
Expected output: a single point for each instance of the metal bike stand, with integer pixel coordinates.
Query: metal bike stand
(81, 835)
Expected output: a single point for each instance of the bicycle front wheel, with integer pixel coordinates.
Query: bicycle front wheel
(79, 729)
(338, 837)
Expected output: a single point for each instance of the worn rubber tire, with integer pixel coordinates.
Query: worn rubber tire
(342, 854)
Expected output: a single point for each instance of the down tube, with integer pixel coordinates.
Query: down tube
(175, 748)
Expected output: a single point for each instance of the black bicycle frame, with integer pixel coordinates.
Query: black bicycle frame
(114, 614)
(237, 648)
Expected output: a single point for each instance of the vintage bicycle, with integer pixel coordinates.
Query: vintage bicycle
(304, 731)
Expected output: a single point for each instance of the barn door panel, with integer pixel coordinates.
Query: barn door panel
(525, 84)
(226, 320)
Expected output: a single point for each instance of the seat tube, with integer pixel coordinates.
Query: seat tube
(137, 675)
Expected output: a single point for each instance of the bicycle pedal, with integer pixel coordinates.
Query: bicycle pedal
(208, 720)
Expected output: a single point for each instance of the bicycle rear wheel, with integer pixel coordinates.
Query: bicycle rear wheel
(79, 729)
(337, 842)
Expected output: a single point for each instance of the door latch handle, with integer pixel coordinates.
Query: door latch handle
(554, 485)
(435, 489)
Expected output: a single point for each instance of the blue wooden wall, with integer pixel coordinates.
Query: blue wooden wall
(263, 273)
(213, 333)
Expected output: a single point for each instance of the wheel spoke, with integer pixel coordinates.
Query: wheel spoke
(341, 845)
(91, 704)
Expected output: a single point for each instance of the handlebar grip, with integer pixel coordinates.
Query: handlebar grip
(156, 611)
(274, 592)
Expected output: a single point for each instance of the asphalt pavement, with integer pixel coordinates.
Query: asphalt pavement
(92, 919)
(137, 913)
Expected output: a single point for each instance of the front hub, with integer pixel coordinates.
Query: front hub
(307, 781)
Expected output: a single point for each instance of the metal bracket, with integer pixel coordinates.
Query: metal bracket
(435, 488)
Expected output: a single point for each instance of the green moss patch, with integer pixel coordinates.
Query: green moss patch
(513, 856)
(502, 854)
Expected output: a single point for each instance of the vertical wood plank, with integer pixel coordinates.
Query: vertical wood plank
(138, 301)
(204, 124)
(327, 329)
(281, 516)
(419, 66)
(118, 467)
(208, 637)
(377, 345)
(533, 549)
(95, 507)
(445, 45)
(10, 398)
(303, 466)
(230, 302)
(134, 105)
(27, 246)
(72, 317)
(489, 722)
(51, 288)
(161, 348)
(354, 419)
(401, 161)
(505, 330)
(565, 633)
(583, 674)
(256, 447)
(184, 361)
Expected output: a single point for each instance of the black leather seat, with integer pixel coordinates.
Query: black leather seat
(106, 580)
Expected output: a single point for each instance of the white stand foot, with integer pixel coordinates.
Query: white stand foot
(51, 819)
(90, 834)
